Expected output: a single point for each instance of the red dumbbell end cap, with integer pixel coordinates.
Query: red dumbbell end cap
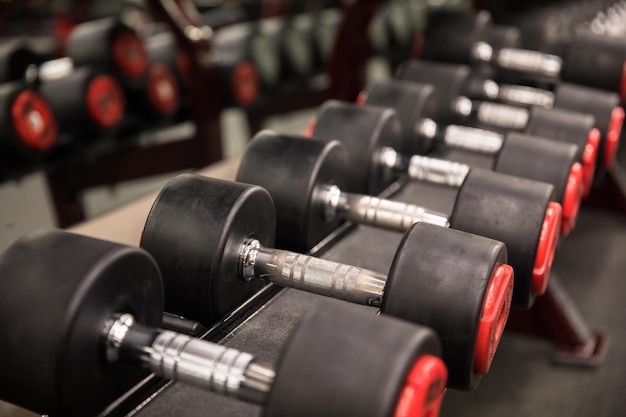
(130, 55)
(571, 199)
(245, 83)
(33, 121)
(163, 89)
(424, 389)
(613, 133)
(105, 101)
(546, 248)
(495, 312)
(361, 99)
(590, 157)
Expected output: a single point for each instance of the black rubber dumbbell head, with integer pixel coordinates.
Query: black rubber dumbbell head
(162, 47)
(519, 212)
(596, 60)
(502, 36)
(326, 371)
(542, 159)
(85, 101)
(54, 312)
(112, 45)
(412, 102)
(296, 49)
(363, 131)
(569, 127)
(451, 272)
(449, 80)
(450, 35)
(28, 128)
(195, 230)
(295, 170)
(603, 105)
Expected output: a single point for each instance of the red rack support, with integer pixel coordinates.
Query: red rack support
(556, 317)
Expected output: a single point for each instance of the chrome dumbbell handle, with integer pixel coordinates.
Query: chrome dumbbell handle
(426, 169)
(189, 360)
(462, 137)
(494, 114)
(472, 139)
(319, 276)
(521, 60)
(378, 212)
(528, 96)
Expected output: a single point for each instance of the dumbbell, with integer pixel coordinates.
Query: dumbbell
(243, 43)
(161, 47)
(519, 212)
(150, 87)
(590, 59)
(557, 124)
(28, 128)
(239, 78)
(212, 241)
(393, 26)
(112, 45)
(85, 100)
(513, 153)
(318, 30)
(82, 330)
(603, 105)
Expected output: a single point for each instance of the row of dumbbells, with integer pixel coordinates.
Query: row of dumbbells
(212, 241)
(203, 230)
(108, 75)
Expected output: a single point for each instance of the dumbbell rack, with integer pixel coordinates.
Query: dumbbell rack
(263, 323)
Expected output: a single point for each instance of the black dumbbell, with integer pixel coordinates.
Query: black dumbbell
(513, 153)
(239, 78)
(80, 317)
(590, 59)
(28, 128)
(159, 97)
(519, 212)
(161, 46)
(212, 241)
(242, 42)
(392, 28)
(84, 100)
(111, 45)
(603, 105)
(556, 124)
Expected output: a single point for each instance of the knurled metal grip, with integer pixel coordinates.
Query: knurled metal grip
(529, 96)
(189, 360)
(437, 171)
(315, 275)
(394, 215)
(196, 362)
(378, 212)
(474, 139)
(502, 115)
(519, 59)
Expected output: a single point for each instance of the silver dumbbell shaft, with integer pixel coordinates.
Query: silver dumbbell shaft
(461, 137)
(528, 96)
(319, 276)
(522, 60)
(378, 212)
(189, 360)
(494, 114)
(437, 171)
